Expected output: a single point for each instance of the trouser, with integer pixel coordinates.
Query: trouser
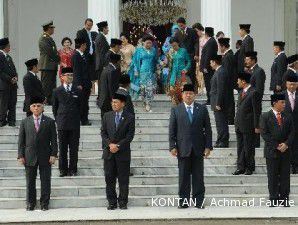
(84, 110)
(68, 139)
(245, 150)
(231, 107)
(8, 101)
(192, 73)
(114, 168)
(294, 153)
(222, 127)
(207, 80)
(45, 179)
(278, 173)
(48, 81)
(98, 74)
(191, 171)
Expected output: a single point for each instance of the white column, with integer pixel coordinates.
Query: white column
(1, 19)
(217, 14)
(101, 10)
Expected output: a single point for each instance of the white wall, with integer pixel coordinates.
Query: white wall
(267, 25)
(193, 11)
(1, 19)
(24, 25)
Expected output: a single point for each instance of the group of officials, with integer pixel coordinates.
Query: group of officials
(190, 133)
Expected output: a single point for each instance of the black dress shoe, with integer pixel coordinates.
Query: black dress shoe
(3, 124)
(44, 207)
(30, 207)
(112, 206)
(86, 123)
(73, 173)
(248, 172)
(12, 124)
(63, 174)
(130, 174)
(238, 172)
(123, 206)
(222, 145)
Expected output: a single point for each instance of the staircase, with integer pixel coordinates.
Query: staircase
(155, 170)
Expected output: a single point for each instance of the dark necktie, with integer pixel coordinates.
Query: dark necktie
(189, 113)
(67, 88)
(117, 119)
(279, 119)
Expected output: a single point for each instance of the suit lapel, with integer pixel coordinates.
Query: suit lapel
(42, 124)
(195, 113)
(183, 111)
(32, 125)
(122, 119)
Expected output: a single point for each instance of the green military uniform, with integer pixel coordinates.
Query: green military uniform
(48, 63)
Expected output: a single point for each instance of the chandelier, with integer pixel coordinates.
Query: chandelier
(152, 12)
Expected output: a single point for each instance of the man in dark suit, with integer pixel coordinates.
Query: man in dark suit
(277, 130)
(32, 85)
(37, 148)
(257, 80)
(246, 46)
(81, 78)
(190, 138)
(8, 85)
(48, 61)
(219, 100)
(246, 124)
(66, 110)
(114, 49)
(228, 63)
(292, 69)
(279, 66)
(124, 86)
(86, 34)
(188, 38)
(291, 98)
(209, 49)
(109, 83)
(101, 48)
(236, 55)
(117, 132)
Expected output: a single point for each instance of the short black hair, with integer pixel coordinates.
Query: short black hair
(198, 26)
(181, 20)
(88, 20)
(66, 39)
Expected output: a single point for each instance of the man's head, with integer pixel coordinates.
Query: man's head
(116, 45)
(243, 80)
(224, 44)
(88, 24)
(80, 44)
(103, 27)
(67, 75)
(292, 83)
(5, 45)
(278, 46)
(250, 59)
(215, 61)
(278, 102)
(118, 102)
(188, 94)
(209, 31)
(124, 81)
(32, 65)
(293, 61)
(244, 29)
(36, 106)
(199, 29)
(181, 23)
(49, 27)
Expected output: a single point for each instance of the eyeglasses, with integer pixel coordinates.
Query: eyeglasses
(36, 105)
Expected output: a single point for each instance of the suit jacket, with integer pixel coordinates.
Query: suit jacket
(186, 136)
(247, 46)
(109, 84)
(66, 108)
(84, 35)
(81, 75)
(101, 48)
(33, 89)
(128, 105)
(278, 68)
(122, 135)
(218, 94)
(107, 57)
(209, 49)
(293, 113)
(248, 111)
(188, 40)
(273, 134)
(228, 63)
(7, 72)
(37, 147)
(289, 72)
(257, 80)
(49, 56)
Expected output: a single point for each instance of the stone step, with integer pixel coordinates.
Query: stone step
(137, 170)
(100, 201)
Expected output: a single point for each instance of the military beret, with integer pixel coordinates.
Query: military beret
(48, 24)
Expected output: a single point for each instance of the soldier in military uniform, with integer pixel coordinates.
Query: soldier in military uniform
(49, 60)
